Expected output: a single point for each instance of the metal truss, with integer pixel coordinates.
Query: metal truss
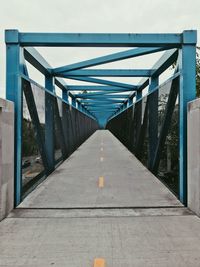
(103, 100)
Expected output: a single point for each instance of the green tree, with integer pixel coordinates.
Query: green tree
(198, 72)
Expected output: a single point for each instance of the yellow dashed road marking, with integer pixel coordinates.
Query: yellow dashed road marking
(101, 181)
(99, 262)
(101, 159)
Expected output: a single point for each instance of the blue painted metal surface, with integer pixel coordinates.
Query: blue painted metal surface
(153, 118)
(106, 99)
(107, 73)
(101, 88)
(107, 59)
(187, 63)
(101, 39)
(49, 121)
(14, 66)
(106, 82)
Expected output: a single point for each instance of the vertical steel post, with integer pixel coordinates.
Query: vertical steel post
(73, 102)
(130, 102)
(14, 67)
(138, 95)
(153, 119)
(65, 95)
(79, 106)
(187, 66)
(49, 121)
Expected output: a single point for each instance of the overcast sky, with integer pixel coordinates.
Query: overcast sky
(132, 16)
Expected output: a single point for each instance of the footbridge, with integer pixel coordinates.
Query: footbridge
(99, 167)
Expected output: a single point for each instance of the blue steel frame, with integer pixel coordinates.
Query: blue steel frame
(106, 99)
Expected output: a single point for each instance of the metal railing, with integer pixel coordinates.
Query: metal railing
(150, 130)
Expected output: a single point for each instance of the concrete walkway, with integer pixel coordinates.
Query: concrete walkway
(101, 160)
(144, 226)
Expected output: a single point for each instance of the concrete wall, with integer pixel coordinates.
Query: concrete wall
(6, 157)
(194, 156)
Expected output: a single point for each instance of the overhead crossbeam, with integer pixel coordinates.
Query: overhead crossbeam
(101, 88)
(106, 82)
(106, 93)
(36, 60)
(102, 97)
(100, 109)
(168, 58)
(107, 98)
(96, 102)
(136, 52)
(106, 73)
(98, 39)
(104, 105)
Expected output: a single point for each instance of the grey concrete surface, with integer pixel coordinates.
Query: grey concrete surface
(96, 213)
(194, 156)
(127, 183)
(150, 241)
(6, 157)
(47, 231)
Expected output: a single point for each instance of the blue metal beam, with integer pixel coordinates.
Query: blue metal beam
(14, 67)
(102, 112)
(107, 73)
(106, 82)
(187, 63)
(101, 88)
(102, 109)
(104, 105)
(49, 121)
(107, 100)
(161, 65)
(98, 40)
(36, 60)
(103, 97)
(107, 59)
(167, 59)
(153, 120)
(103, 93)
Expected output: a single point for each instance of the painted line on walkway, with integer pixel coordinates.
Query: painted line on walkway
(99, 262)
(101, 148)
(101, 159)
(101, 181)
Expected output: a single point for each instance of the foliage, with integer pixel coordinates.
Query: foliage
(198, 72)
(29, 146)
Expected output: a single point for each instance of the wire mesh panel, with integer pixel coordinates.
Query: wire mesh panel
(133, 128)
(70, 129)
(168, 169)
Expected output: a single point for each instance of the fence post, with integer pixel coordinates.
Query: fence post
(187, 67)
(14, 67)
(153, 120)
(49, 121)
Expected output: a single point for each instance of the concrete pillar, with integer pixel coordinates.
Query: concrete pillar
(6, 157)
(193, 148)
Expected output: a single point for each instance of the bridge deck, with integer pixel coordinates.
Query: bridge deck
(43, 232)
(127, 183)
